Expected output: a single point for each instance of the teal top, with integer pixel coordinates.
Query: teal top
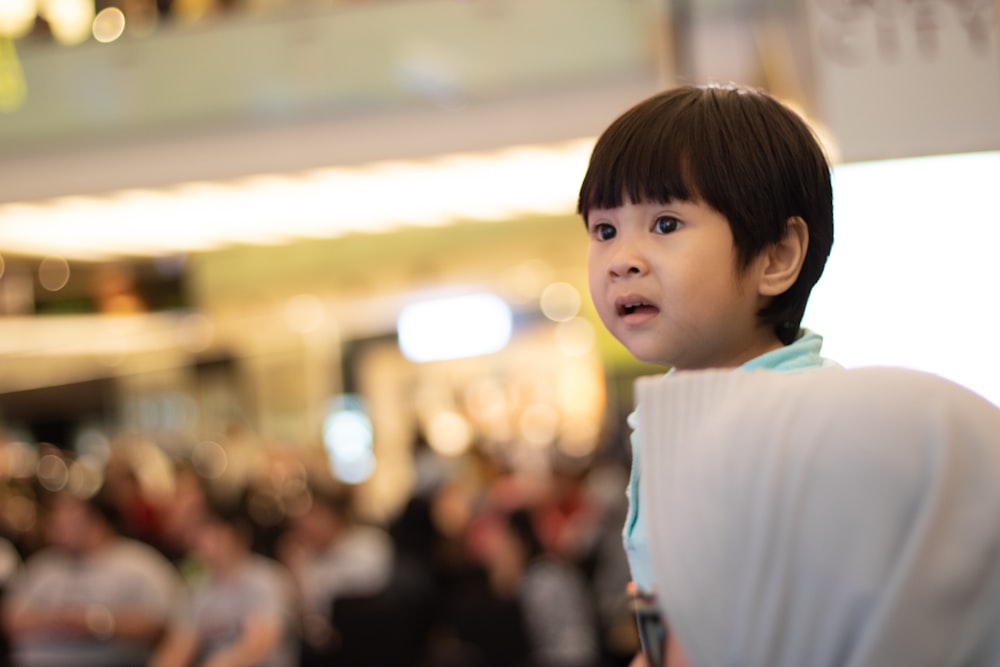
(802, 354)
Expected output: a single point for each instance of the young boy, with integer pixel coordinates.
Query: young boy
(710, 216)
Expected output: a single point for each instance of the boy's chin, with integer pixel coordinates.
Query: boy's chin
(646, 349)
(647, 357)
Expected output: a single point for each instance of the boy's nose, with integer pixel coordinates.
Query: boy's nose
(627, 262)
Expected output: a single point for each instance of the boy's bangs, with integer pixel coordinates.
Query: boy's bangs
(630, 168)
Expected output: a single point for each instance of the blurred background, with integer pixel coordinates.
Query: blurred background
(282, 240)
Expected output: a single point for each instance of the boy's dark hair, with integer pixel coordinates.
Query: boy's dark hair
(736, 149)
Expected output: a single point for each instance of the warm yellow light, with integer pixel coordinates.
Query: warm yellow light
(321, 203)
(71, 21)
(17, 17)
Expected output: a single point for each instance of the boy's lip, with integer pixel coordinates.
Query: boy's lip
(634, 306)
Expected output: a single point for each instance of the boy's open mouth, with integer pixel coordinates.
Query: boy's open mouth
(632, 306)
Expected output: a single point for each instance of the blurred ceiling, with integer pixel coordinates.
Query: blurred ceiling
(309, 123)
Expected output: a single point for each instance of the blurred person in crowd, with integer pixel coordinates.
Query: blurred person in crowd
(856, 522)
(710, 216)
(10, 567)
(576, 520)
(140, 515)
(245, 459)
(553, 593)
(474, 623)
(242, 610)
(92, 598)
(176, 525)
(414, 531)
(483, 615)
(331, 555)
(568, 520)
(606, 564)
(426, 539)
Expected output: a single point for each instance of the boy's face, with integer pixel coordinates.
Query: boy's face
(664, 281)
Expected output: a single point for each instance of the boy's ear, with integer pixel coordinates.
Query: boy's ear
(784, 259)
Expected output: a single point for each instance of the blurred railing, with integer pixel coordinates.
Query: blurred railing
(313, 62)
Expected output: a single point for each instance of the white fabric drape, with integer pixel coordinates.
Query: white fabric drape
(835, 518)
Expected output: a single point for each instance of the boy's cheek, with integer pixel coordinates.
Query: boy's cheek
(607, 318)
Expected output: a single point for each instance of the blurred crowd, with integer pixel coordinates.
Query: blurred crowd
(270, 563)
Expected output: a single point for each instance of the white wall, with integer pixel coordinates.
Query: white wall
(914, 275)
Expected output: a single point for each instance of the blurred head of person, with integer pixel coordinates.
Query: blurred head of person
(81, 524)
(222, 533)
(327, 517)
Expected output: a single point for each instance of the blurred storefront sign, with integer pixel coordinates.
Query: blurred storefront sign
(898, 79)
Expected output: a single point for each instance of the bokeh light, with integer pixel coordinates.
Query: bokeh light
(109, 24)
(349, 440)
(17, 17)
(85, 477)
(454, 327)
(539, 424)
(449, 433)
(53, 273)
(560, 302)
(71, 21)
(209, 459)
(53, 473)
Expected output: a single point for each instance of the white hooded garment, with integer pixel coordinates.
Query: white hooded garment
(836, 518)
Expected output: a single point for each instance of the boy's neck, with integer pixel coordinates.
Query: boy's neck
(771, 344)
(760, 346)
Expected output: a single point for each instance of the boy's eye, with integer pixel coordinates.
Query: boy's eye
(602, 231)
(666, 224)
